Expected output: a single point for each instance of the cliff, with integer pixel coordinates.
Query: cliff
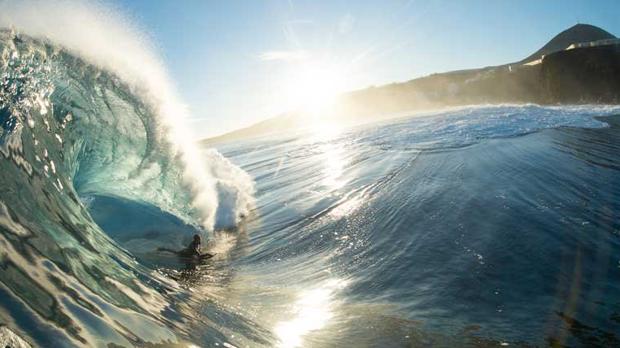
(582, 75)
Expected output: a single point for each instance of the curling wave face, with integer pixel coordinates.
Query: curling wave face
(219, 192)
(71, 130)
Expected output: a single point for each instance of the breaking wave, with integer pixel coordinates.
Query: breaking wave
(86, 110)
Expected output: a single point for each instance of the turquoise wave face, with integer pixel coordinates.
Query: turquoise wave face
(70, 132)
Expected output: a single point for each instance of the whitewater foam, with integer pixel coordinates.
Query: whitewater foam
(102, 36)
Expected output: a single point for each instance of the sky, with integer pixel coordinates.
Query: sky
(236, 62)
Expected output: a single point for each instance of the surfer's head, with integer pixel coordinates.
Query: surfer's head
(197, 238)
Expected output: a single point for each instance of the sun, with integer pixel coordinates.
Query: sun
(313, 87)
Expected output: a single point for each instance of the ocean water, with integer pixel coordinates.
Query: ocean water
(481, 226)
(484, 226)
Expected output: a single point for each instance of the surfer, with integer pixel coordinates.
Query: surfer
(192, 250)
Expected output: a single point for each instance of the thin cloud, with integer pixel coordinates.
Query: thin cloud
(287, 56)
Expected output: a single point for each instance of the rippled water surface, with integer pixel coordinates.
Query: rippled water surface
(482, 226)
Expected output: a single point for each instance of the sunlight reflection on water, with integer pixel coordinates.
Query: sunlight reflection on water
(333, 153)
(334, 166)
(312, 311)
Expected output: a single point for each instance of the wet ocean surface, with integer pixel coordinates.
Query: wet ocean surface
(483, 226)
(387, 236)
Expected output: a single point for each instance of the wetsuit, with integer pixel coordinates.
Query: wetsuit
(193, 249)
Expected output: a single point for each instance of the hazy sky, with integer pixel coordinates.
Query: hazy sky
(232, 60)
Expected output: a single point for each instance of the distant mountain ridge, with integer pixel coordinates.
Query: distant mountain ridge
(579, 65)
(575, 34)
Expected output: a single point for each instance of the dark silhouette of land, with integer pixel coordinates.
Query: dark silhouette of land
(581, 65)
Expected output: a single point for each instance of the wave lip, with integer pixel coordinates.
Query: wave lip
(103, 38)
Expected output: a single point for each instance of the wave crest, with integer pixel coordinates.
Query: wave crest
(131, 93)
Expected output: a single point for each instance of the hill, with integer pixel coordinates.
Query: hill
(579, 65)
(574, 34)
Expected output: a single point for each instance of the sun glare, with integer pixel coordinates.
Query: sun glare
(313, 88)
